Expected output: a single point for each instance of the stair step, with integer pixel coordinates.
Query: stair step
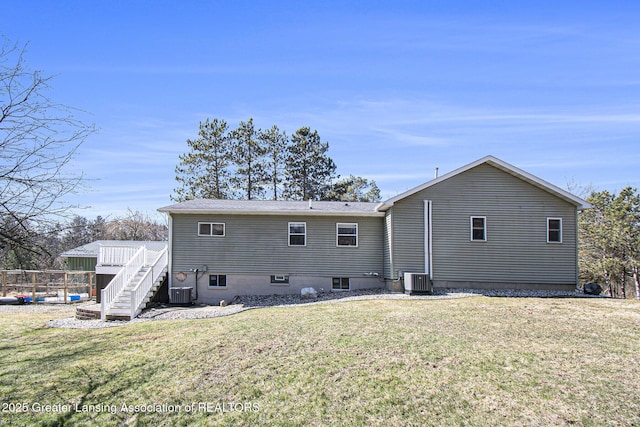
(119, 313)
(88, 316)
(118, 317)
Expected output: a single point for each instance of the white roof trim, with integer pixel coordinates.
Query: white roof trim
(504, 166)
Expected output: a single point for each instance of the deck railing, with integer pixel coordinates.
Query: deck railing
(124, 276)
(140, 291)
(46, 284)
(116, 255)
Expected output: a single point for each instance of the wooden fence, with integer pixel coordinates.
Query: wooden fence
(40, 284)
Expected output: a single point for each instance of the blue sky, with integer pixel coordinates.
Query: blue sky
(396, 87)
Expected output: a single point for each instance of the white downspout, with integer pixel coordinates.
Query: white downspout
(428, 239)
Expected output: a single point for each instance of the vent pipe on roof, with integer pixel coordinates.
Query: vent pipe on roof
(310, 207)
(435, 174)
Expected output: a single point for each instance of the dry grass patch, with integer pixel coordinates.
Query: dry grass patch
(473, 361)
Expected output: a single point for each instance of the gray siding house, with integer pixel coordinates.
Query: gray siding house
(485, 225)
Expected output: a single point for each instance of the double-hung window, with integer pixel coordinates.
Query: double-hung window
(297, 234)
(478, 228)
(215, 229)
(347, 234)
(554, 230)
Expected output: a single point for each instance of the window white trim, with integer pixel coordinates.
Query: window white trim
(219, 278)
(289, 233)
(211, 229)
(346, 225)
(484, 228)
(549, 229)
(341, 281)
(279, 279)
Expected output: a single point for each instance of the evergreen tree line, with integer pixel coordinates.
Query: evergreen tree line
(609, 242)
(43, 251)
(256, 164)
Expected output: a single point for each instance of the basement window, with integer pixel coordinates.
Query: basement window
(280, 279)
(554, 230)
(217, 280)
(215, 229)
(340, 284)
(478, 228)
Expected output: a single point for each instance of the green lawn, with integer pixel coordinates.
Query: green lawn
(473, 361)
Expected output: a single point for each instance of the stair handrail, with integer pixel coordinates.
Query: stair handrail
(140, 291)
(116, 255)
(117, 284)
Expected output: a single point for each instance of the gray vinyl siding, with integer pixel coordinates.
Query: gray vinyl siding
(408, 235)
(516, 250)
(258, 244)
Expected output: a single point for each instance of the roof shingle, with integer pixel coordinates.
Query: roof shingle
(274, 207)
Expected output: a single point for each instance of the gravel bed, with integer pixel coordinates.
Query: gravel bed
(193, 312)
(242, 303)
(73, 323)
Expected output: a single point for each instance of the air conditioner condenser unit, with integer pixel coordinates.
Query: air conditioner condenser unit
(417, 283)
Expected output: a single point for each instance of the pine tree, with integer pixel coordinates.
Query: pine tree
(248, 155)
(275, 143)
(204, 171)
(309, 170)
(355, 189)
(610, 240)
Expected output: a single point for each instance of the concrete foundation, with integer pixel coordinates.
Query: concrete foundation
(237, 284)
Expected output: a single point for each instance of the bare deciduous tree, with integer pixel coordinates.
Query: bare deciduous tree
(38, 139)
(135, 226)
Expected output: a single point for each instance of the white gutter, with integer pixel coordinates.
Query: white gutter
(312, 212)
